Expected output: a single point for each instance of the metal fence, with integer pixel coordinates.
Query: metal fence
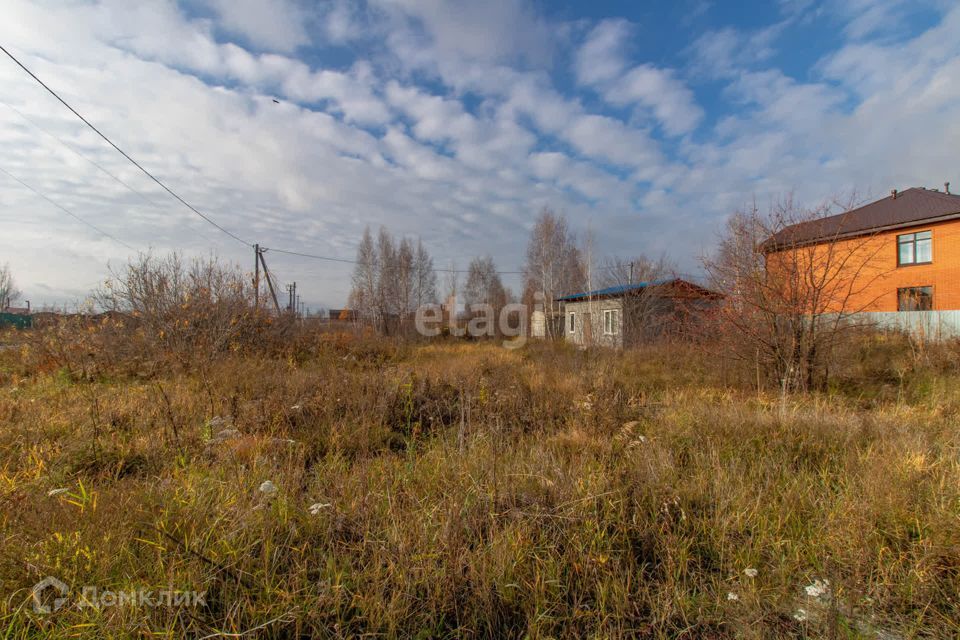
(20, 321)
(933, 325)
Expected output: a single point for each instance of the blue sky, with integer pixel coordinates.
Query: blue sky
(456, 122)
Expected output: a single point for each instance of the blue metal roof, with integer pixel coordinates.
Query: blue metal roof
(613, 291)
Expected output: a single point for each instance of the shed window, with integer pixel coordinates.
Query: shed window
(571, 319)
(610, 323)
(915, 248)
(915, 299)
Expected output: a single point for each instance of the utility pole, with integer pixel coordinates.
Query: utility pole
(631, 272)
(292, 298)
(273, 292)
(256, 277)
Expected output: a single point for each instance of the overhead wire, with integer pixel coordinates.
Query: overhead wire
(78, 153)
(177, 196)
(357, 262)
(122, 152)
(65, 210)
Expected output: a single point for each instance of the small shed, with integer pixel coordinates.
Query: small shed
(626, 314)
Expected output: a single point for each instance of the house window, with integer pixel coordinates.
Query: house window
(915, 248)
(915, 299)
(610, 323)
(571, 318)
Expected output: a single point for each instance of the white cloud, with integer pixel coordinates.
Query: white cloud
(278, 25)
(671, 101)
(601, 58)
(494, 30)
(442, 121)
(601, 63)
(721, 53)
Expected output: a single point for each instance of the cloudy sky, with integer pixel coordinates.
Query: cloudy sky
(296, 124)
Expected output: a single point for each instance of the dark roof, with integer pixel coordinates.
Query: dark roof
(623, 289)
(20, 311)
(914, 206)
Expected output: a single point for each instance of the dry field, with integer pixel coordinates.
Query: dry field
(350, 486)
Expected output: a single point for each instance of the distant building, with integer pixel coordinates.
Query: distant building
(342, 315)
(626, 314)
(21, 311)
(18, 317)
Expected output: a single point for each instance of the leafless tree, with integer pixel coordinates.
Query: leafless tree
(9, 293)
(554, 266)
(649, 313)
(189, 308)
(390, 281)
(363, 293)
(484, 286)
(424, 277)
(791, 296)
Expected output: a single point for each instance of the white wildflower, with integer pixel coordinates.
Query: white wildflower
(800, 615)
(216, 422)
(225, 434)
(818, 588)
(750, 572)
(57, 492)
(732, 596)
(267, 488)
(317, 507)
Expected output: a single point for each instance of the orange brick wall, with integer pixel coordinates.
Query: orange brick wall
(885, 277)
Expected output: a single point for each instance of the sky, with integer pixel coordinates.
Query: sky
(297, 124)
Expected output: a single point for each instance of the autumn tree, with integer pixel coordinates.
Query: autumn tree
(424, 277)
(484, 287)
(648, 313)
(390, 281)
(794, 287)
(554, 265)
(9, 293)
(364, 290)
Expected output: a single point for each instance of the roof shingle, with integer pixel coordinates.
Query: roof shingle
(911, 207)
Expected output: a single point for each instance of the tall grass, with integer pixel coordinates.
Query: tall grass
(452, 490)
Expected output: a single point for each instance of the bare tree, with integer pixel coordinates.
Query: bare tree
(390, 281)
(190, 308)
(387, 282)
(483, 284)
(403, 276)
(363, 294)
(793, 286)
(9, 293)
(424, 277)
(651, 311)
(554, 266)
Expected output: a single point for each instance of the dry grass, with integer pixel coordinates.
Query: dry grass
(469, 490)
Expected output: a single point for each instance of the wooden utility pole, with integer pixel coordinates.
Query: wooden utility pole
(266, 273)
(256, 277)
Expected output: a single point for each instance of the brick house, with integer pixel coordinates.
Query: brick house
(912, 239)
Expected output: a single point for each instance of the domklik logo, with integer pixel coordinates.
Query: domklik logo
(59, 588)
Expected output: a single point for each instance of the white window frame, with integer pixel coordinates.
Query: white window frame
(571, 322)
(609, 322)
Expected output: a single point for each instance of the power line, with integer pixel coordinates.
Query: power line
(79, 154)
(347, 261)
(168, 189)
(87, 158)
(65, 210)
(121, 151)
